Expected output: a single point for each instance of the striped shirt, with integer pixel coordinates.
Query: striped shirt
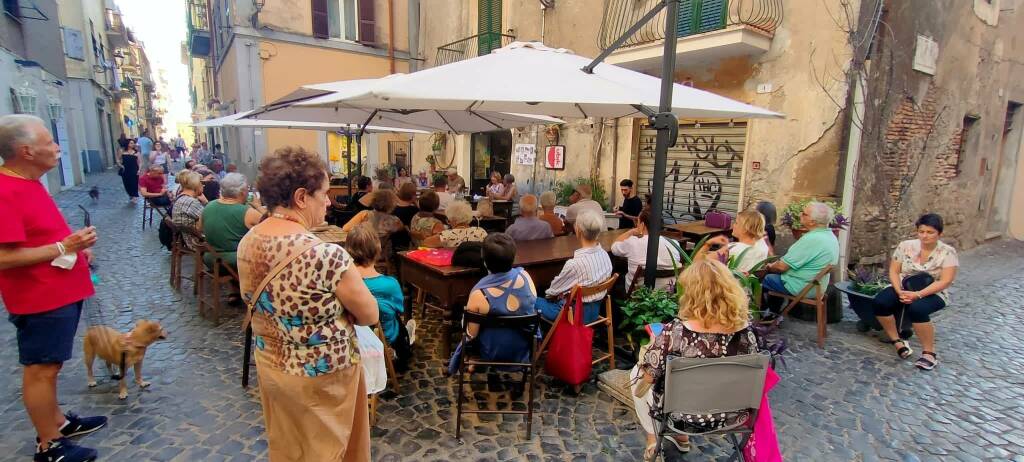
(588, 266)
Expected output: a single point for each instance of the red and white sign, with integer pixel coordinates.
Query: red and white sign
(554, 157)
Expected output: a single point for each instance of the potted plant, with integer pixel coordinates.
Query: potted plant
(552, 133)
(791, 217)
(862, 285)
(437, 143)
(564, 189)
(646, 306)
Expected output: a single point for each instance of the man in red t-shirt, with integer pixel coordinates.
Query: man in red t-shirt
(153, 186)
(44, 279)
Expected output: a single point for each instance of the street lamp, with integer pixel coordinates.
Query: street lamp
(55, 108)
(26, 97)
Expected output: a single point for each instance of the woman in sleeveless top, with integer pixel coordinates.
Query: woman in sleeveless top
(506, 291)
(312, 385)
(128, 166)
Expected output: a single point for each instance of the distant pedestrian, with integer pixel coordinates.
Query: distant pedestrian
(145, 144)
(44, 280)
(179, 146)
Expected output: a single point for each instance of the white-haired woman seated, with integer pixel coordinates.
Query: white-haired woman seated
(460, 216)
(589, 266)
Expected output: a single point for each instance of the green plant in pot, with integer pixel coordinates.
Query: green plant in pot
(564, 189)
(861, 286)
(791, 216)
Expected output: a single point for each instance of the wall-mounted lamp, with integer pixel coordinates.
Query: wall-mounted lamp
(26, 97)
(55, 108)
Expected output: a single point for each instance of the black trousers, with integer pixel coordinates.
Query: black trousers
(887, 303)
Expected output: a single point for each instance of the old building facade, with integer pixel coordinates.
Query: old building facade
(942, 125)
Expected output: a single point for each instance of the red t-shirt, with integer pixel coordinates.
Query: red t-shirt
(31, 219)
(153, 184)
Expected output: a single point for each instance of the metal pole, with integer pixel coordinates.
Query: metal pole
(359, 153)
(668, 126)
(348, 160)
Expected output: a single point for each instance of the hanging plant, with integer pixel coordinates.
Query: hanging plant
(552, 133)
(438, 141)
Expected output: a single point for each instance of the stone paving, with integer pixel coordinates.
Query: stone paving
(852, 401)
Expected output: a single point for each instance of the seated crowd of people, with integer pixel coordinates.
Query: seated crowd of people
(713, 320)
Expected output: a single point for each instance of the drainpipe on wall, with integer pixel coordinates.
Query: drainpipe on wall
(391, 34)
(850, 169)
(414, 35)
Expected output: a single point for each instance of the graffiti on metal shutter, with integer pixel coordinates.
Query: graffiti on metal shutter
(704, 169)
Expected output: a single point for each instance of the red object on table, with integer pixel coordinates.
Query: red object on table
(435, 257)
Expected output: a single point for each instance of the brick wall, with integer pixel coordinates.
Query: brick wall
(908, 129)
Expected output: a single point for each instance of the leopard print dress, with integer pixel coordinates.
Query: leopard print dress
(298, 324)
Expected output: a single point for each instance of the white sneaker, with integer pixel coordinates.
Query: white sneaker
(411, 328)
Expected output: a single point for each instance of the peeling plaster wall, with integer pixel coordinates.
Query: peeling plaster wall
(914, 127)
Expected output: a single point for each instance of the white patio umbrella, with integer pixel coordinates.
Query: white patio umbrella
(530, 78)
(458, 120)
(239, 120)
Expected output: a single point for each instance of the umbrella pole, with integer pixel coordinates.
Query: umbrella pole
(348, 160)
(668, 127)
(359, 153)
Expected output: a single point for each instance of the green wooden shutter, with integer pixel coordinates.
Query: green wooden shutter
(697, 16)
(488, 26)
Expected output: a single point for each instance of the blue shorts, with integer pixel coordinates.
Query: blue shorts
(47, 338)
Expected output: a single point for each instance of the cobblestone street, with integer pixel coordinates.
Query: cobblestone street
(853, 401)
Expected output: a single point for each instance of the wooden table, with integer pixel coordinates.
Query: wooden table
(331, 234)
(696, 230)
(450, 285)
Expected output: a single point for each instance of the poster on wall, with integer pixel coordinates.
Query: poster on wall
(554, 158)
(526, 154)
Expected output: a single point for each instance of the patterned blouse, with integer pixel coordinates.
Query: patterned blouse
(676, 340)
(451, 238)
(423, 226)
(185, 213)
(298, 323)
(908, 255)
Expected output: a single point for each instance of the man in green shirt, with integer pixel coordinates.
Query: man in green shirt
(815, 250)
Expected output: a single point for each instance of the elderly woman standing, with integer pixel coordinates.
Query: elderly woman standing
(308, 298)
(226, 220)
(713, 322)
(921, 271)
(460, 215)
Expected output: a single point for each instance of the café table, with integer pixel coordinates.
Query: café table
(696, 230)
(450, 285)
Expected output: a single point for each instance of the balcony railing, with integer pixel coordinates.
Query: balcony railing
(197, 17)
(477, 45)
(198, 29)
(695, 17)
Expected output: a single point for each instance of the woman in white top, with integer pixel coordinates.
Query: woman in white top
(632, 245)
(750, 247)
(918, 295)
(159, 156)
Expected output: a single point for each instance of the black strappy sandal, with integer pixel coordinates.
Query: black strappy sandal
(926, 364)
(904, 351)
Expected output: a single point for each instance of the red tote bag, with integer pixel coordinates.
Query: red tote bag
(569, 353)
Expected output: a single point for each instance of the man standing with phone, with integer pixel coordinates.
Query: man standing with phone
(44, 280)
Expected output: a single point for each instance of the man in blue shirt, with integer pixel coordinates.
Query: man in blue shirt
(145, 144)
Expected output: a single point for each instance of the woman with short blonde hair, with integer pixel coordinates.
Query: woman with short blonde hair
(751, 247)
(713, 322)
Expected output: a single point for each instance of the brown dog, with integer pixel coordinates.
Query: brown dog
(124, 350)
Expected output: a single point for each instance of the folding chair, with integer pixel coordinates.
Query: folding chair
(701, 386)
(570, 301)
(220, 274)
(147, 213)
(818, 302)
(527, 325)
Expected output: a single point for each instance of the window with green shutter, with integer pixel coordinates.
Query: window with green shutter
(488, 26)
(698, 16)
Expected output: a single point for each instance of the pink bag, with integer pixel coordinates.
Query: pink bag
(714, 218)
(763, 445)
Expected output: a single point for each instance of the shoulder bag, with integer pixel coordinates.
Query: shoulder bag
(254, 298)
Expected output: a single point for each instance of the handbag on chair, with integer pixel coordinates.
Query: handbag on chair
(715, 218)
(569, 354)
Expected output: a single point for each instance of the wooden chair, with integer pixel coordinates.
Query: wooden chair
(390, 366)
(220, 274)
(179, 250)
(638, 278)
(570, 301)
(818, 301)
(197, 254)
(469, 365)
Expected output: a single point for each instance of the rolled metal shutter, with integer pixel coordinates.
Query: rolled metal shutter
(704, 169)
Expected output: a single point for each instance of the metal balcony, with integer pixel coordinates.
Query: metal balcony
(469, 47)
(198, 29)
(117, 34)
(707, 30)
